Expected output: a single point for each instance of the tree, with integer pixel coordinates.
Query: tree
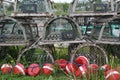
(65, 7)
(61, 8)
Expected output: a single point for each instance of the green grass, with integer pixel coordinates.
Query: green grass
(57, 76)
(54, 76)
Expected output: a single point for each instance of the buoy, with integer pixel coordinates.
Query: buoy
(82, 71)
(70, 68)
(112, 75)
(61, 63)
(33, 69)
(47, 69)
(82, 60)
(106, 67)
(93, 68)
(19, 69)
(117, 68)
(6, 68)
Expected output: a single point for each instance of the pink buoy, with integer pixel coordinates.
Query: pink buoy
(93, 68)
(112, 75)
(61, 63)
(19, 69)
(117, 68)
(6, 68)
(106, 67)
(34, 69)
(71, 68)
(82, 60)
(47, 69)
(82, 71)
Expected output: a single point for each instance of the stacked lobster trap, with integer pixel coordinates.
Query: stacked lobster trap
(99, 23)
(25, 25)
(34, 28)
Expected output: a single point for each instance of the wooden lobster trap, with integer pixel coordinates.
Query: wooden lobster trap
(65, 33)
(41, 46)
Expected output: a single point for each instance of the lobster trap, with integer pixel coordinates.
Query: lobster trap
(58, 33)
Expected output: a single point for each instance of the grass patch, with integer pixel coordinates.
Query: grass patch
(11, 76)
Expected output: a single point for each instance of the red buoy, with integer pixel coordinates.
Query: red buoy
(34, 69)
(71, 68)
(112, 75)
(117, 68)
(19, 69)
(82, 71)
(82, 60)
(47, 69)
(61, 63)
(6, 68)
(106, 67)
(93, 68)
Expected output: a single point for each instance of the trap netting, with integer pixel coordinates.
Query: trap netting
(94, 53)
(36, 55)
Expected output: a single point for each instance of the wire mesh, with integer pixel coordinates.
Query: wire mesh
(35, 56)
(94, 53)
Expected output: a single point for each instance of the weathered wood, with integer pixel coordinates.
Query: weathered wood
(112, 5)
(92, 14)
(16, 44)
(101, 31)
(31, 15)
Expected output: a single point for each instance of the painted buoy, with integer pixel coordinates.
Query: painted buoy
(82, 60)
(93, 68)
(112, 75)
(117, 68)
(82, 71)
(34, 69)
(6, 68)
(106, 67)
(47, 69)
(71, 68)
(19, 69)
(61, 63)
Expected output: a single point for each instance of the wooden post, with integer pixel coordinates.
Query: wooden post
(117, 5)
(73, 6)
(4, 8)
(15, 6)
(112, 5)
(47, 7)
(101, 32)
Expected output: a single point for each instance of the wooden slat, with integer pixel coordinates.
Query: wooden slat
(8, 44)
(81, 41)
(108, 42)
(60, 42)
(30, 15)
(91, 14)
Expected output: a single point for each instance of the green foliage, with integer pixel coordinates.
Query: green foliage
(61, 53)
(8, 54)
(61, 8)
